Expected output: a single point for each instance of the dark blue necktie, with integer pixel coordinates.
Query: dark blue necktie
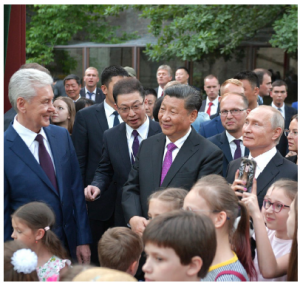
(135, 145)
(46, 162)
(238, 152)
(116, 120)
(90, 94)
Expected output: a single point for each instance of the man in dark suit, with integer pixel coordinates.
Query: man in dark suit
(211, 104)
(72, 85)
(234, 110)
(178, 157)
(89, 126)
(214, 127)
(91, 91)
(40, 163)
(265, 84)
(120, 145)
(261, 133)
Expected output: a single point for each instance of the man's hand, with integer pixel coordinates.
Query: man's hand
(238, 185)
(138, 224)
(91, 192)
(83, 254)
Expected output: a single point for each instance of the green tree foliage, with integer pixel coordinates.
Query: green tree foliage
(60, 24)
(193, 32)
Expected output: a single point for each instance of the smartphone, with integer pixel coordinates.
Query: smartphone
(247, 172)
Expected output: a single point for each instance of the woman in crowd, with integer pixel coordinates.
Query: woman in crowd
(293, 139)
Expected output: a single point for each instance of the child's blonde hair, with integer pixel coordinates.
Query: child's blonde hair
(290, 187)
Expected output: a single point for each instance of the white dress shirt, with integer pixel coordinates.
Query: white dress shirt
(179, 143)
(142, 131)
(29, 136)
(159, 91)
(233, 146)
(93, 95)
(214, 107)
(281, 109)
(77, 98)
(110, 117)
(262, 160)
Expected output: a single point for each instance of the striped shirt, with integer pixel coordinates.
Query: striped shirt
(232, 264)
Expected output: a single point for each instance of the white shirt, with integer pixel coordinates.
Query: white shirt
(263, 159)
(179, 143)
(233, 146)
(214, 107)
(93, 95)
(110, 117)
(77, 98)
(159, 91)
(29, 136)
(281, 109)
(143, 134)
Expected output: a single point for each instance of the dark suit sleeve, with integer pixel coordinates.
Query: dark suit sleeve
(202, 131)
(131, 192)
(79, 206)
(80, 141)
(7, 219)
(104, 172)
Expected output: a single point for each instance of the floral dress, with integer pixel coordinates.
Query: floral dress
(51, 268)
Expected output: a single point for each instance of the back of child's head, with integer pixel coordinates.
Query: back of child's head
(73, 271)
(173, 196)
(187, 233)
(118, 248)
(220, 197)
(292, 273)
(38, 215)
(19, 262)
(290, 187)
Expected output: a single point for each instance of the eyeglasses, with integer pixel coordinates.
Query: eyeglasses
(233, 112)
(277, 206)
(134, 108)
(287, 132)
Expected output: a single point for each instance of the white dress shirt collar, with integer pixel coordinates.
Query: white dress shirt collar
(94, 91)
(215, 102)
(142, 130)
(159, 91)
(179, 143)
(108, 109)
(232, 138)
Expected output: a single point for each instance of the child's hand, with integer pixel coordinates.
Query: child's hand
(250, 200)
(238, 185)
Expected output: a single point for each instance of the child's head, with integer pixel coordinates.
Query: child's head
(276, 205)
(73, 271)
(213, 196)
(19, 262)
(165, 200)
(180, 246)
(120, 248)
(32, 224)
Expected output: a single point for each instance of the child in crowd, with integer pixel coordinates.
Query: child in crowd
(120, 248)
(213, 196)
(19, 262)
(165, 200)
(32, 224)
(292, 231)
(179, 246)
(73, 271)
(273, 245)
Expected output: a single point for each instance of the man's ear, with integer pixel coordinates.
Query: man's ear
(256, 91)
(104, 89)
(194, 266)
(277, 133)
(193, 116)
(21, 105)
(116, 107)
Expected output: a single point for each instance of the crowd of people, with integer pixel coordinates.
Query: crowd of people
(126, 183)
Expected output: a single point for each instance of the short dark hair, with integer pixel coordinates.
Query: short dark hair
(126, 86)
(191, 96)
(210, 77)
(82, 103)
(250, 76)
(280, 83)
(184, 68)
(260, 74)
(72, 77)
(189, 234)
(112, 71)
(150, 91)
(156, 107)
(119, 247)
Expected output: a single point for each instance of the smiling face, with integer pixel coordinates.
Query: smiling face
(174, 119)
(277, 221)
(61, 113)
(163, 264)
(91, 78)
(35, 113)
(293, 136)
(72, 89)
(136, 118)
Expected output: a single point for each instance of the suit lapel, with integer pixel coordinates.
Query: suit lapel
(101, 117)
(202, 108)
(157, 156)
(184, 154)
(224, 145)
(269, 173)
(152, 131)
(123, 146)
(22, 151)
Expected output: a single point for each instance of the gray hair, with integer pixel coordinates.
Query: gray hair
(24, 82)
(166, 67)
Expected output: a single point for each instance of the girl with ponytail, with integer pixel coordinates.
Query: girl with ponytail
(213, 196)
(32, 225)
